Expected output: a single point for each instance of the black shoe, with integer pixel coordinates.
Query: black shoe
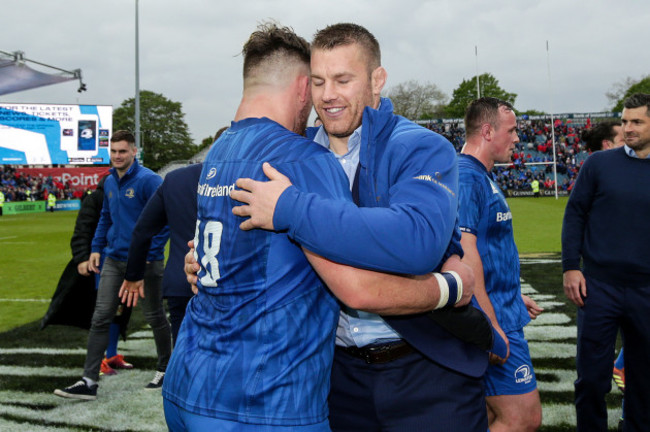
(156, 382)
(78, 390)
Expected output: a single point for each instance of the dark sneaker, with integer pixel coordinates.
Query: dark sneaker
(156, 382)
(78, 390)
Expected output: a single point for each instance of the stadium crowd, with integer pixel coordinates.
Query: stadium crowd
(19, 186)
(534, 156)
(532, 161)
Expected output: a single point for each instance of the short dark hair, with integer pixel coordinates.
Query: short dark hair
(601, 131)
(270, 40)
(347, 34)
(481, 111)
(638, 100)
(123, 135)
(219, 132)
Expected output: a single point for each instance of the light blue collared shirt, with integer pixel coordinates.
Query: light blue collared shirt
(631, 153)
(356, 328)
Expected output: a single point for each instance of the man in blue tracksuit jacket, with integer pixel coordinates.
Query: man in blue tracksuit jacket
(389, 373)
(126, 191)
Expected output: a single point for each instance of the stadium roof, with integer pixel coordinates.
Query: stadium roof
(16, 74)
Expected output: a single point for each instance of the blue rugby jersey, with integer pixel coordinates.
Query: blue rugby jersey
(484, 212)
(257, 342)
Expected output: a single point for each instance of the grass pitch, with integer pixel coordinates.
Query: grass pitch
(537, 223)
(34, 250)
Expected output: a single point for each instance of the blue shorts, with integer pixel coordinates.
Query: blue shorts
(179, 420)
(516, 376)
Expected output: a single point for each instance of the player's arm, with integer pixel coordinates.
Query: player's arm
(573, 227)
(390, 294)
(158, 241)
(473, 259)
(410, 235)
(381, 293)
(150, 222)
(99, 240)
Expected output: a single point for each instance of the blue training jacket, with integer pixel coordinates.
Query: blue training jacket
(124, 199)
(406, 221)
(408, 202)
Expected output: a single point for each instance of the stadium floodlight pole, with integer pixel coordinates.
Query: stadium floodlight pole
(478, 86)
(550, 97)
(137, 83)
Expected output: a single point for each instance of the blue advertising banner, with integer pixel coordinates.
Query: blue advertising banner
(40, 134)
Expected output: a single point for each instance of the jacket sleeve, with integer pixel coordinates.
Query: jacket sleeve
(575, 218)
(409, 234)
(84, 228)
(151, 221)
(158, 241)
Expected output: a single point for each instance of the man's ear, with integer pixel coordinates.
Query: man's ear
(487, 131)
(378, 80)
(304, 88)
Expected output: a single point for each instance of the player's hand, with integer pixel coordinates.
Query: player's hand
(259, 198)
(533, 308)
(129, 292)
(94, 261)
(82, 268)
(493, 358)
(466, 275)
(575, 286)
(191, 267)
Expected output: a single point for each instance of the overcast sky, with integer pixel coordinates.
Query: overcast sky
(189, 49)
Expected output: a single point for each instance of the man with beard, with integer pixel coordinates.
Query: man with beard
(606, 224)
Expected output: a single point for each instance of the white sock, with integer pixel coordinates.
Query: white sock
(89, 382)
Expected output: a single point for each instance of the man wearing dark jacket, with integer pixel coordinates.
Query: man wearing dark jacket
(173, 205)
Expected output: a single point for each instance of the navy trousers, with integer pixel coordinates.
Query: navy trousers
(410, 394)
(608, 307)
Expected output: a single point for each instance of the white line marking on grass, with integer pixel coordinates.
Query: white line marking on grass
(38, 371)
(44, 351)
(10, 237)
(551, 350)
(549, 333)
(7, 300)
(548, 305)
(538, 261)
(550, 318)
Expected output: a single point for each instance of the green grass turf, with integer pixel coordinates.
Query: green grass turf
(537, 223)
(34, 250)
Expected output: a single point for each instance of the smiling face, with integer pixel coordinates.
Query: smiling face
(342, 86)
(636, 128)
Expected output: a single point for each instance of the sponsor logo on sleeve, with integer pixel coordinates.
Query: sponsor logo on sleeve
(436, 180)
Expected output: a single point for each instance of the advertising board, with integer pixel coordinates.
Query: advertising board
(42, 134)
